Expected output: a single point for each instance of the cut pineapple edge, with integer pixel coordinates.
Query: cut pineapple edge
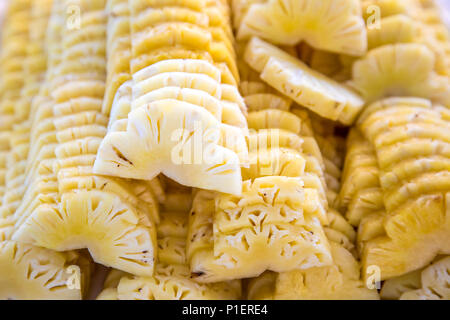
(336, 25)
(307, 87)
(164, 141)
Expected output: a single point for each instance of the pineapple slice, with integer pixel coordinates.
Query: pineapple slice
(159, 121)
(394, 288)
(335, 26)
(416, 233)
(262, 287)
(31, 273)
(262, 101)
(274, 162)
(119, 50)
(307, 87)
(400, 70)
(171, 280)
(123, 239)
(340, 281)
(225, 248)
(392, 30)
(435, 281)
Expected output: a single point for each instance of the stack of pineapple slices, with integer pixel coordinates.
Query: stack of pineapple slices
(66, 206)
(26, 271)
(187, 117)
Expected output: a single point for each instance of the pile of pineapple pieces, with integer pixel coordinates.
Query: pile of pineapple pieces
(224, 149)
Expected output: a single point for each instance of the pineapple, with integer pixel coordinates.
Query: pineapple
(182, 62)
(225, 238)
(434, 280)
(393, 29)
(340, 281)
(335, 26)
(305, 86)
(171, 280)
(414, 183)
(394, 288)
(405, 69)
(123, 239)
(33, 273)
(119, 49)
(160, 120)
(65, 205)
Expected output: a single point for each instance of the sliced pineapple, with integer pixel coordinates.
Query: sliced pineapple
(393, 29)
(335, 26)
(33, 273)
(307, 87)
(126, 242)
(225, 248)
(153, 128)
(171, 280)
(415, 235)
(393, 288)
(405, 69)
(435, 281)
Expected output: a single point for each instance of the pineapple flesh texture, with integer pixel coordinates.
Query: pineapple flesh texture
(429, 283)
(34, 273)
(340, 280)
(335, 26)
(413, 174)
(273, 226)
(307, 87)
(435, 281)
(15, 39)
(34, 70)
(87, 211)
(184, 77)
(171, 280)
(401, 69)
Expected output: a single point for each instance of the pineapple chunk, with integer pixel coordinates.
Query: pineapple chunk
(393, 29)
(171, 280)
(152, 128)
(115, 233)
(435, 281)
(393, 288)
(405, 69)
(335, 26)
(307, 87)
(416, 233)
(229, 240)
(33, 273)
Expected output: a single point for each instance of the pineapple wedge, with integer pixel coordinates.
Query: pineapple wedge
(226, 238)
(435, 281)
(335, 26)
(171, 280)
(123, 239)
(405, 69)
(307, 87)
(153, 128)
(33, 273)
